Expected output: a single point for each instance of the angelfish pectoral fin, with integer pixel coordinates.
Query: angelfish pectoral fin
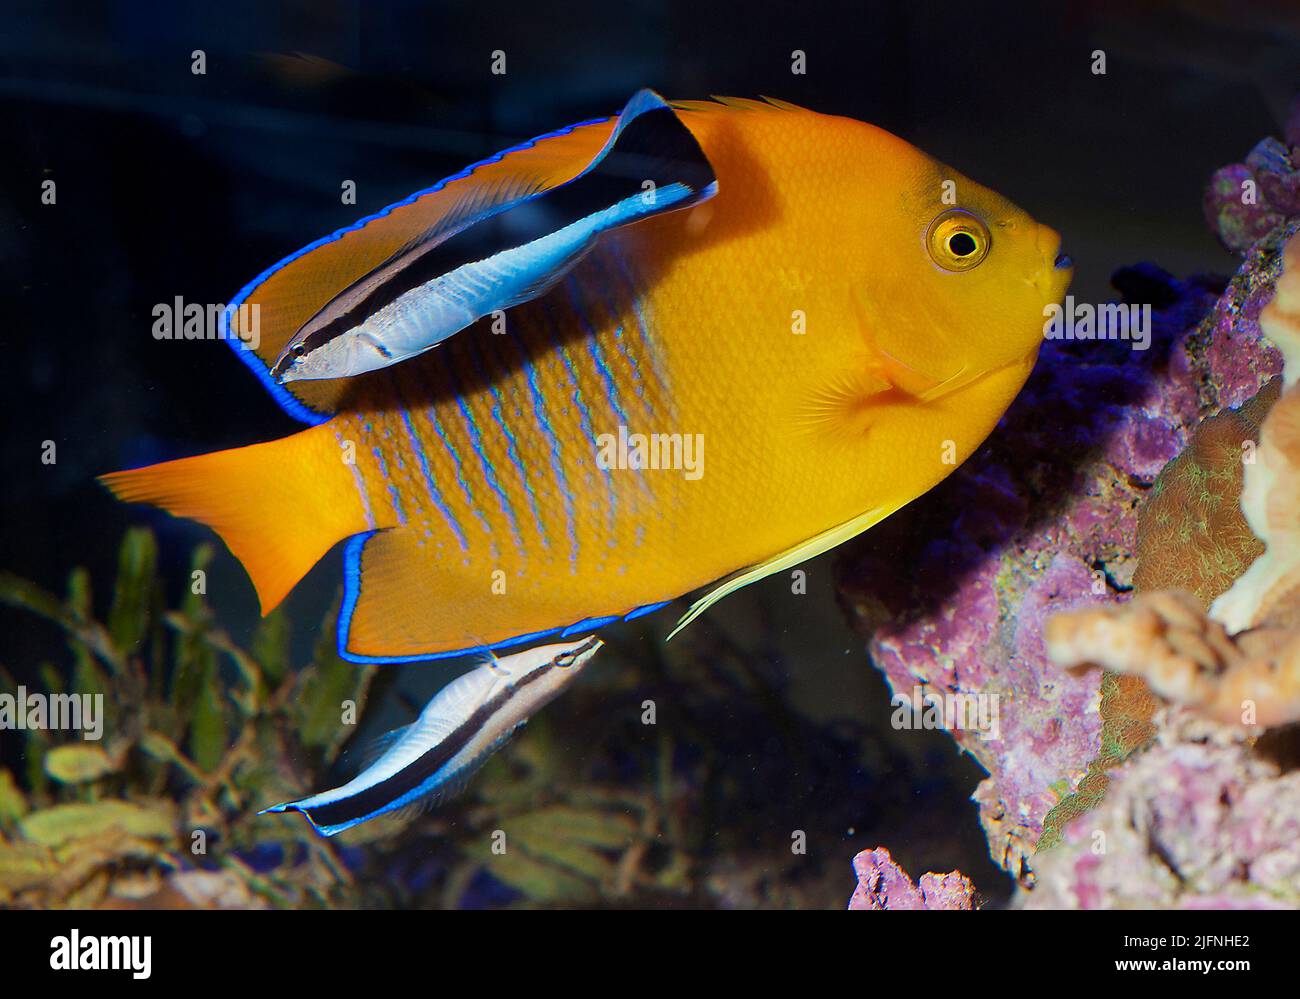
(510, 251)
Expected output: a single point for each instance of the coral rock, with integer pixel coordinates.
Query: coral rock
(1127, 709)
(1270, 496)
(1041, 520)
(1245, 201)
(954, 591)
(1188, 825)
(882, 884)
(1252, 678)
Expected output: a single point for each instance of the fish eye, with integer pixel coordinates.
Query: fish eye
(957, 240)
(298, 349)
(566, 659)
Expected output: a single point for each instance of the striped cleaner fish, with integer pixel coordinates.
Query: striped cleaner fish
(487, 258)
(842, 322)
(433, 758)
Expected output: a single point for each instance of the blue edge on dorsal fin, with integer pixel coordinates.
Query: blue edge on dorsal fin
(300, 411)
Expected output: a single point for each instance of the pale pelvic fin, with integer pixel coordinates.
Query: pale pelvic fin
(791, 557)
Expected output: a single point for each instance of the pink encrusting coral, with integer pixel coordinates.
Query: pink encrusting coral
(1240, 662)
(1042, 520)
(1245, 201)
(1188, 824)
(882, 884)
(1228, 340)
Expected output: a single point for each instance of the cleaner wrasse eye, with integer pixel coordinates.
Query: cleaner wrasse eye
(813, 336)
(468, 720)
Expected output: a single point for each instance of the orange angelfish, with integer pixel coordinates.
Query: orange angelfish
(537, 434)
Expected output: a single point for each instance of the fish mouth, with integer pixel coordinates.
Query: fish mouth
(1057, 267)
(283, 372)
(1056, 281)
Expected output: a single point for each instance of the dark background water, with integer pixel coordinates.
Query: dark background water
(174, 184)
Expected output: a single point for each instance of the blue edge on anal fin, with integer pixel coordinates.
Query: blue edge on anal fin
(291, 405)
(352, 592)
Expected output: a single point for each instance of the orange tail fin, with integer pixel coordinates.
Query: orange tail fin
(279, 506)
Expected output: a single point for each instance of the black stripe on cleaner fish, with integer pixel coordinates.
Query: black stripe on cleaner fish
(432, 759)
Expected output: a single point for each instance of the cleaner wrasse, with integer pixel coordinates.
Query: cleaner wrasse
(433, 758)
(842, 323)
(501, 253)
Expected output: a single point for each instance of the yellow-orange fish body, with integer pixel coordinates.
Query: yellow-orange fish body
(796, 334)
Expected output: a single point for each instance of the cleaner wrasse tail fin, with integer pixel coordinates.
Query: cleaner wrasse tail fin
(278, 506)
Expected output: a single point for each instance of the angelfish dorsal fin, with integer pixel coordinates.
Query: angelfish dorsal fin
(498, 236)
(490, 255)
(272, 307)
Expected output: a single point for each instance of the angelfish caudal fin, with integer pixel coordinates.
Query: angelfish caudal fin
(278, 506)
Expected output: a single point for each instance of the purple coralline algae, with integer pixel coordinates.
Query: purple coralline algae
(954, 591)
(882, 884)
(1192, 823)
(1246, 201)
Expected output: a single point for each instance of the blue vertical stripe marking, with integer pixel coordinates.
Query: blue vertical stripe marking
(643, 322)
(597, 355)
(435, 494)
(357, 477)
(557, 465)
(603, 283)
(584, 416)
(621, 345)
(416, 441)
(393, 494)
(431, 414)
(512, 443)
(476, 442)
